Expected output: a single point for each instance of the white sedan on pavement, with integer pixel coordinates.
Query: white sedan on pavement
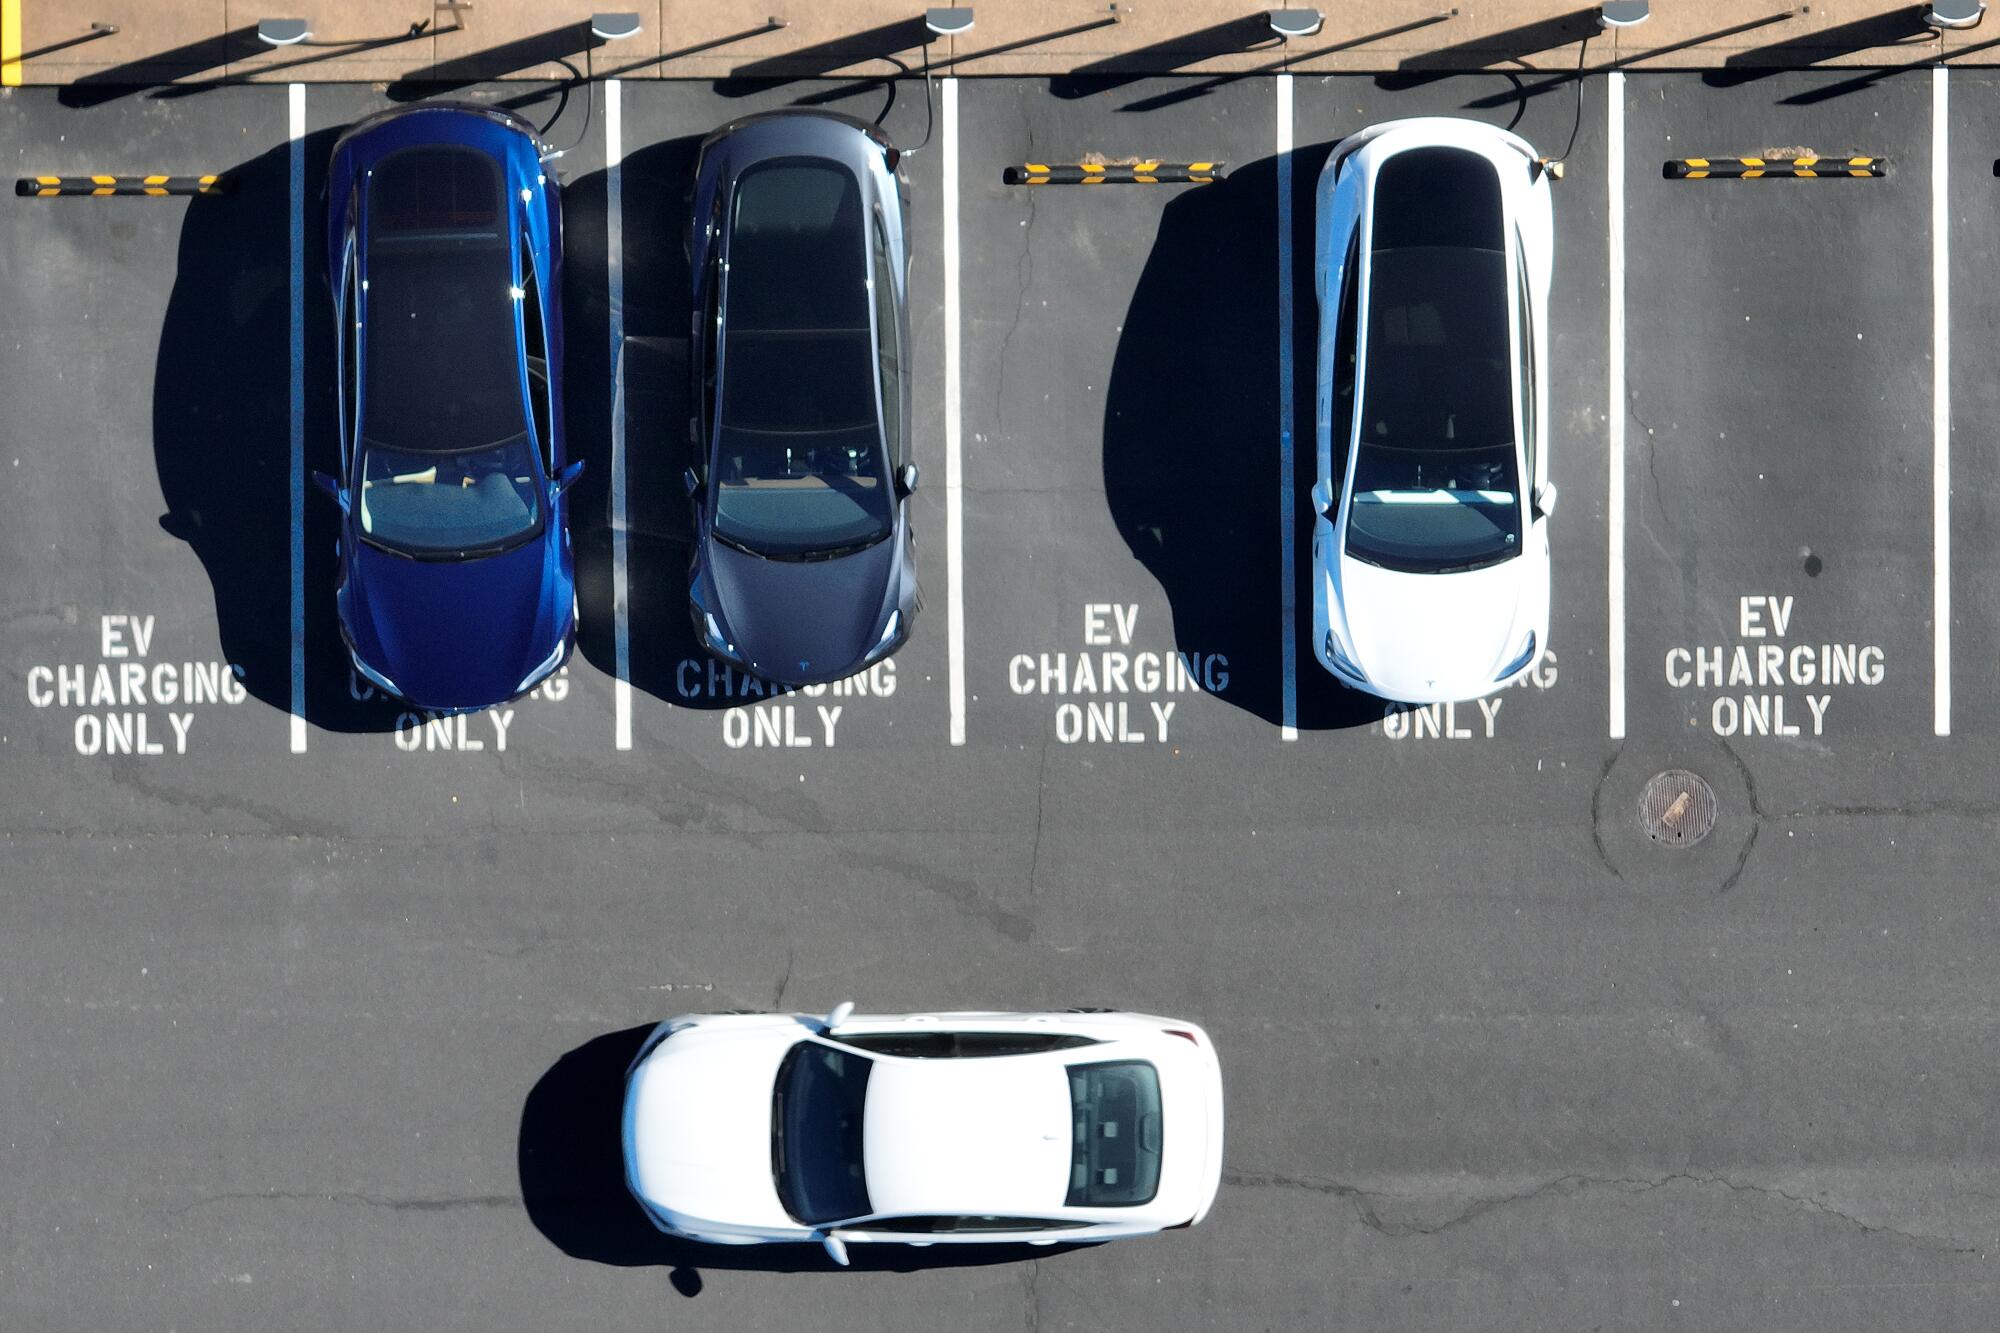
(1433, 255)
(920, 1129)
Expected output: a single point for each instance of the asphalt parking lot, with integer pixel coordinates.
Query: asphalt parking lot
(315, 1010)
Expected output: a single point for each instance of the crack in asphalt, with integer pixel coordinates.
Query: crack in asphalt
(1024, 273)
(1031, 1282)
(1597, 812)
(1041, 798)
(1366, 1201)
(281, 822)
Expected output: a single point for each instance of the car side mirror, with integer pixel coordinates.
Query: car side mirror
(334, 490)
(691, 482)
(1545, 499)
(906, 479)
(566, 478)
(836, 1248)
(1322, 498)
(839, 1014)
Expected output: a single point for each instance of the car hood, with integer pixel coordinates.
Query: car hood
(698, 1127)
(804, 621)
(455, 634)
(1435, 638)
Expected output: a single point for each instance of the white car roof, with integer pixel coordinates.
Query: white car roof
(988, 1136)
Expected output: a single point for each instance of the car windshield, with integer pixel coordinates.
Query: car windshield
(816, 1133)
(1436, 484)
(1115, 1130)
(443, 365)
(800, 469)
(423, 503)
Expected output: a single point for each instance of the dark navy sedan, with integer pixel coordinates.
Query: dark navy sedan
(444, 240)
(803, 568)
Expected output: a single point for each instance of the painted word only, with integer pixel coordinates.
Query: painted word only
(1460, 722)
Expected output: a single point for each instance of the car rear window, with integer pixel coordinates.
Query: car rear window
(1115, 1134)
(798, 258)
(1437, 196)
(442, 368)
(438, 189)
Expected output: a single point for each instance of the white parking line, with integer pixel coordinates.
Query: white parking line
(954, 471)
(297, 94)
(614, 250)
(1940, 403)
(1287, 551)
(1614, 172)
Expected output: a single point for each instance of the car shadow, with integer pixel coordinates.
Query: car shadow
(663, 656)
(572, 1168)
(1192, 449)
(222, 431)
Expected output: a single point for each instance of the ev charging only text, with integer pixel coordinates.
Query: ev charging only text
(116, 696)
(1099, 682)
(1768, 675)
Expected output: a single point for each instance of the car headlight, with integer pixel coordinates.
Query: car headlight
(888, 635)
(1340, 660)
(372, 676)
(1527, 655)
(716, 641)
(549, 664)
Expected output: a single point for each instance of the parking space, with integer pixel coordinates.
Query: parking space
(1561, 705)
(145, 519)
(1120, 421)
(682, 697)
(1780, 552)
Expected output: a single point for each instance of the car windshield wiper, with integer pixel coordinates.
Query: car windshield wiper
(500, 547)
(778, 1136)
(735, 545)
(387, 549)
(1471, 565)
(835, 552)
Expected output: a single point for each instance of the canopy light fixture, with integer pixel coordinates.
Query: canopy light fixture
(283, 32)
(614, 27)
(952, 22)
(1289, 23)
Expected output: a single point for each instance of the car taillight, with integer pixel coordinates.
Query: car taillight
(1183, 1034)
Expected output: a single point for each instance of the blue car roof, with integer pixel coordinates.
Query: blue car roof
(443, 373)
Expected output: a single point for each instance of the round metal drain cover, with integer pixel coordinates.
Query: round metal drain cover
(1677, 808)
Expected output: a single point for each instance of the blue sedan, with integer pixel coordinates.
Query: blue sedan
(444, 247)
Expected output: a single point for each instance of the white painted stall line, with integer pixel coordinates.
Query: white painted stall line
(297, 97)
(614, 250)
(954, 469)
(1940, 402)
(1614, 172)
(1287, 522)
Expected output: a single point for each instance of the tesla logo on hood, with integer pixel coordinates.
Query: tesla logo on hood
(803, 664)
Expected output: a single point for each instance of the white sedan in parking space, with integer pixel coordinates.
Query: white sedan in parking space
(1433, 253)
(920, 1129)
